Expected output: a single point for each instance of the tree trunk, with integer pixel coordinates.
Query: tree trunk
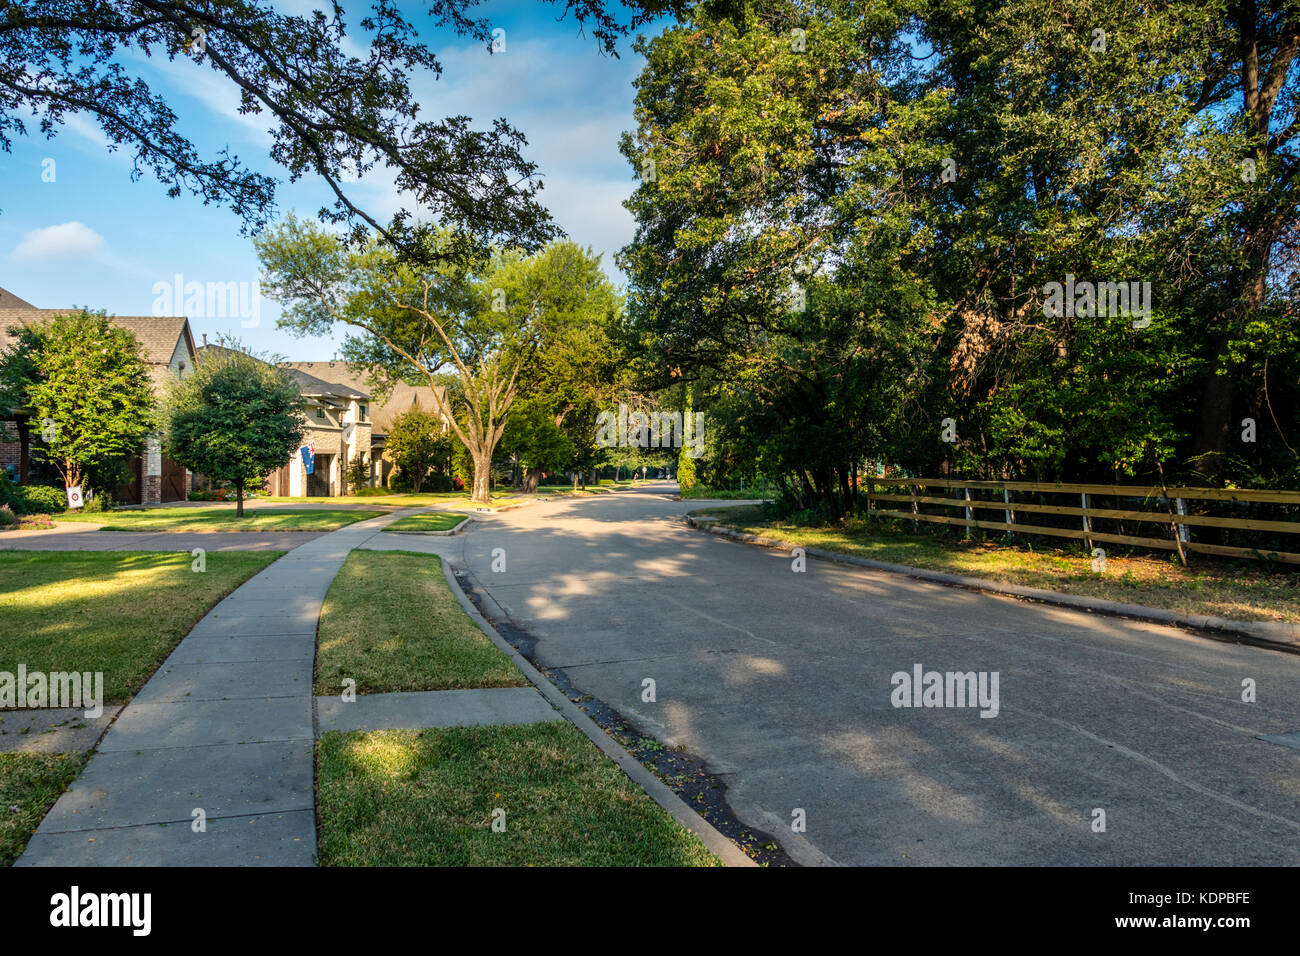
(417, 481)
(482, 476)
(532, 477)
(239, 497)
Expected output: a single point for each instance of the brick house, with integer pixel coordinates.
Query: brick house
(380, 415)
(167, 348)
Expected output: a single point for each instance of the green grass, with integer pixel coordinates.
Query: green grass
(222, 519)
(722, 494)
(458, 500)
(427, 798)
(433, 521)
(117, 612)
(1233, 590)
(29, 785)
(390, 623)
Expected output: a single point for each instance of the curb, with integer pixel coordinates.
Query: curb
(450, 531)
(1275, 635)
(657, 790)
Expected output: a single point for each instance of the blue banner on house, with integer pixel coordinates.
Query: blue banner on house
(308, 456)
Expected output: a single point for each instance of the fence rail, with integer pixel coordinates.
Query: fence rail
(1171, 509)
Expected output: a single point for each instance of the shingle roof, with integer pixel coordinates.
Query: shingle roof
(402, 398)
(307, 384)
(10, 301)
(157, 334)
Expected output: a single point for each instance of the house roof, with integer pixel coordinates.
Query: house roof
(309, 385)
(402, 398)
(158, 335)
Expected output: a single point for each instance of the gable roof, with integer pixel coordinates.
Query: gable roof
(10, 301)
(158, 335)
(402, 398)
(309, 385)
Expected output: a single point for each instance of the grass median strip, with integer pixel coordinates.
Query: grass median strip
(29, 785)
(390, 624)
(221, 519)
(430, 521)
(1221, 589)
(116, 612)
(430, 797)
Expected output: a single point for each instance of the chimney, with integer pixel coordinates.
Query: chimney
(205, 339)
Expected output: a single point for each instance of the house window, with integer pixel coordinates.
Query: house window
(365, 412)
(320, 413)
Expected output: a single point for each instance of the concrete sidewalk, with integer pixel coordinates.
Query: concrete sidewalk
(221, 733)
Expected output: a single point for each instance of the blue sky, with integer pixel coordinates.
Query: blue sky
(92, 237)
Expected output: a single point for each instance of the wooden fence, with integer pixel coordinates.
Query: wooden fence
(1180, 511)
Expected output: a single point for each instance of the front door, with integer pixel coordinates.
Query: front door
(318, 482)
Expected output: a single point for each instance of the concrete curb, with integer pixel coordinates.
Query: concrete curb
(450, 531)
(658, 791)
(1276, 635)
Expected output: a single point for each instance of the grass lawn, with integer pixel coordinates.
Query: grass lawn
(220, 519)
(29, 785)
(427, 798)
(722, 494)
(117, 612)
(1236, 590)
(458, 500)
(390, 623)
(433, 521)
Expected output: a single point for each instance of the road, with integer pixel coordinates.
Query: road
(783, 683)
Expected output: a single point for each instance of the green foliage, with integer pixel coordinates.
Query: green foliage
(357, 473)
(417, 443)
(842, 252)
(85, 379)
(42, 499)
(236, 417)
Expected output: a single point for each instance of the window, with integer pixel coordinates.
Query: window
(320, 413)
(365, 412)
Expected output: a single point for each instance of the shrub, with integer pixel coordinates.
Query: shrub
(7, 518)
(438, 481)
(371, 492)
(11, 493)
(43, 498)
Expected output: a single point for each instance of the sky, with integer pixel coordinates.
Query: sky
(93, 238)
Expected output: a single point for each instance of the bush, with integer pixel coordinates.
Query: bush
(7, 518)
(370, 492)
(11, 493)
(438, 481)
(43, 498)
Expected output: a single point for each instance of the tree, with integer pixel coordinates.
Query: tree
(236, 417)
(357, 473)
(84, 377)
(331, 112)
(418, 443)
(848, 239)
(486, 326)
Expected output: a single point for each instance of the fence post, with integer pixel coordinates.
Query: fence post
(970, 512)
(916, 525)
(1184, 534)
(1087, 524)
(1010, 515)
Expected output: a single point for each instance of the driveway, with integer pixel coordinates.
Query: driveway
(782, 681)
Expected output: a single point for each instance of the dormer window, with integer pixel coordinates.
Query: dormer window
(365, 413)
(320, 413)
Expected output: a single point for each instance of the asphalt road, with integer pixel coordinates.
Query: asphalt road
(783, 682)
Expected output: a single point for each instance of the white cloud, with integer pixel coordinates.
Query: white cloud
(71, 240)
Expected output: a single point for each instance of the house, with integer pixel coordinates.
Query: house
(167, 348)
(337, 430)
(380, 415)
